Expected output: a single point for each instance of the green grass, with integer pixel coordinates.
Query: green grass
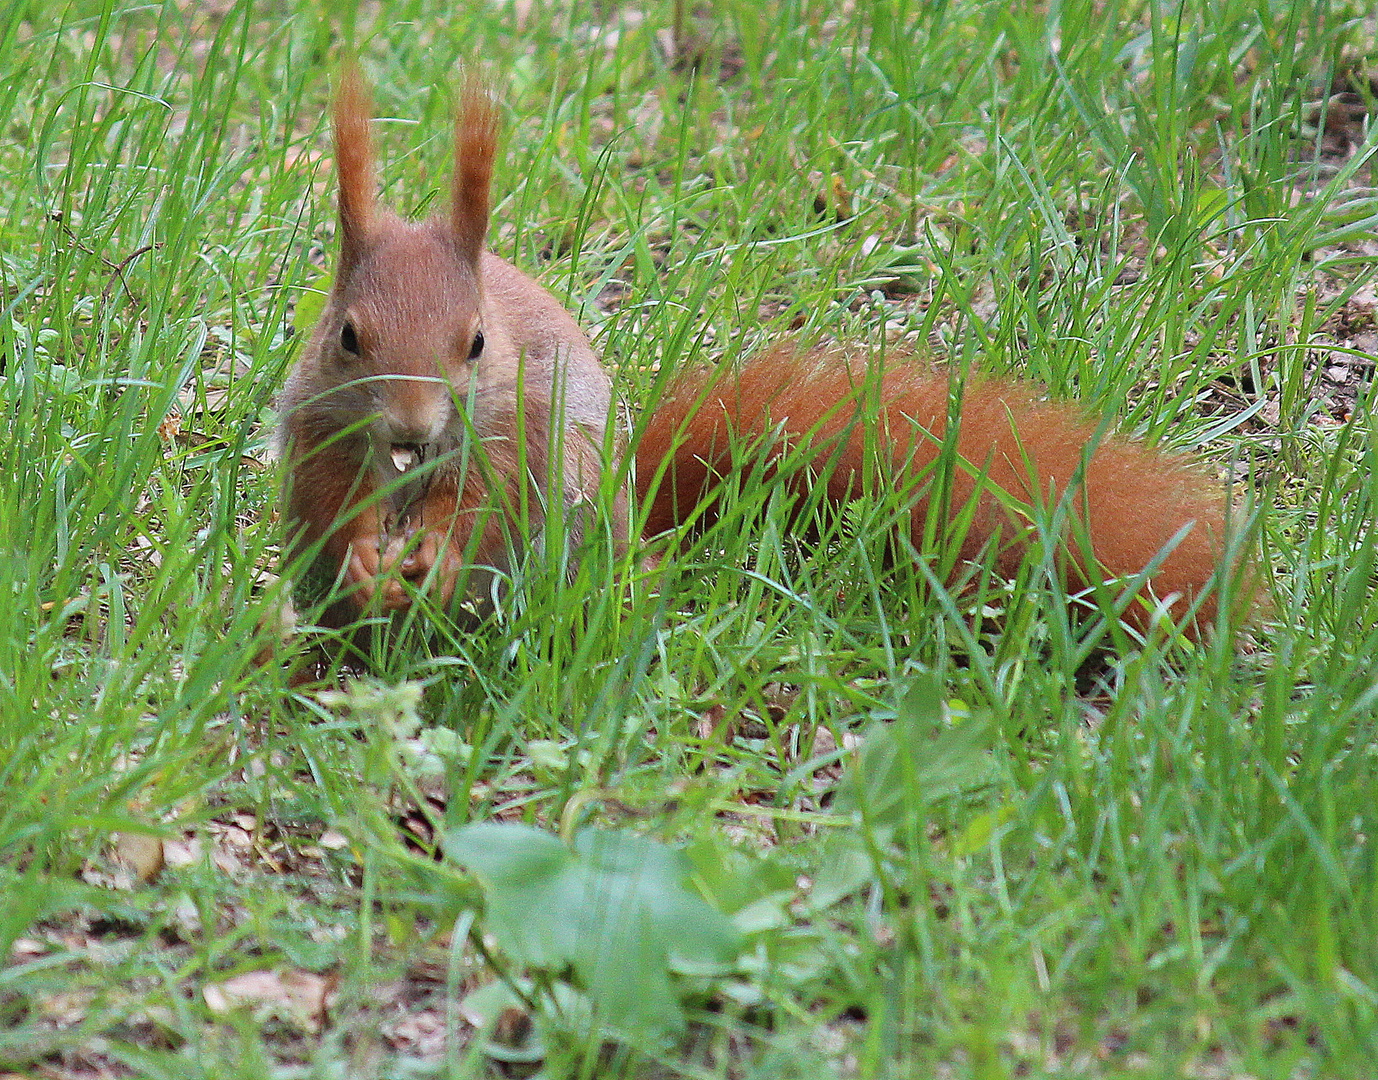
(1098, 859)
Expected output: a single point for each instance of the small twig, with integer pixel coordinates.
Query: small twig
(117, 269)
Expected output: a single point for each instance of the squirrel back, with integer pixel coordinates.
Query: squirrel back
(1013, 451)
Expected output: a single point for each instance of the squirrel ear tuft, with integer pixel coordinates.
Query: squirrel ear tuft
(476, 134)
(354, 160)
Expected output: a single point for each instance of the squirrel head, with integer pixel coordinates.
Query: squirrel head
(402, 333)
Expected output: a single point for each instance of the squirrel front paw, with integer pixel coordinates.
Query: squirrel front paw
(388, 576)
(370, 583)
(385, 574)
(425, 561)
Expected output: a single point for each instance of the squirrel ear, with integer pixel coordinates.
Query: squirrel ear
(476, 132)
(354, 161)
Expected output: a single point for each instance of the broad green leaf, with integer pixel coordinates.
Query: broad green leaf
(916, 759)
(904, 766)
(310, 304)
(615, 911)
(845, 865)
(753, 888)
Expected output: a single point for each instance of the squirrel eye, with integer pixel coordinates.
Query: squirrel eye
(349, 341)
(477, 347)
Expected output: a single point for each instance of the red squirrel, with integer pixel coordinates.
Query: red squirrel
(444, 393)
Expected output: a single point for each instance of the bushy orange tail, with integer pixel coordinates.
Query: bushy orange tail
(1136, 504)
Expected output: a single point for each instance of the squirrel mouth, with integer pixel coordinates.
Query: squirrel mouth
(407, 456)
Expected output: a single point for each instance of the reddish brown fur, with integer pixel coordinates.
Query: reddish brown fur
(396, 362)
(354, 160)
(1133, 499)
(476, 137)
(422, 345)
